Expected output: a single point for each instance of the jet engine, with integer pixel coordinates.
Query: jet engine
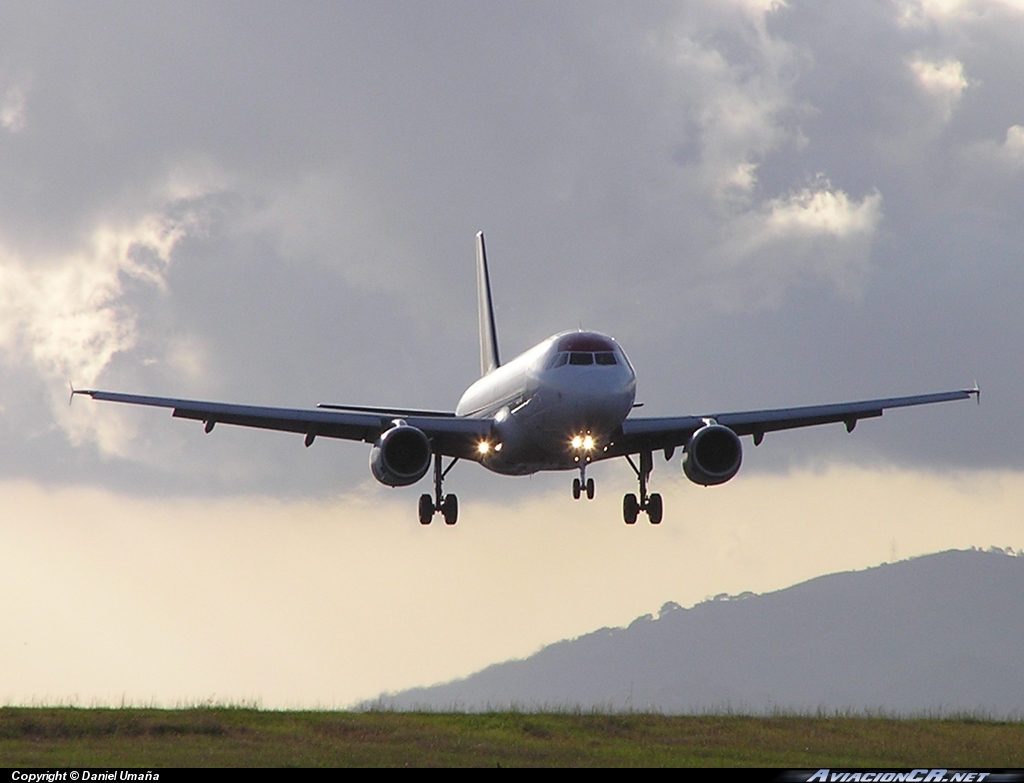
(713, 455)
(401, 456)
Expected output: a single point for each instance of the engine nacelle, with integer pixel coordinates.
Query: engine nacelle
(713, 455)
(401, 456)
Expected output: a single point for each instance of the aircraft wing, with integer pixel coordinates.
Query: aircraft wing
(650, 434)
(455, 436)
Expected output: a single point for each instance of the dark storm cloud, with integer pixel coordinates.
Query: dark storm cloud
(257, 203)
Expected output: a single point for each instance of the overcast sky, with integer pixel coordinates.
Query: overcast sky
(766, 203)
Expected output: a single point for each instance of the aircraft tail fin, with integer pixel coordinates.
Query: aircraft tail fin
(489, 360)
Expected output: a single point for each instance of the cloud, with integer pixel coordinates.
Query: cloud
(822, 211)
(12, 107)
(817, 233)
(944, 81)
(317, 219)
(735, 92)
(921, 12)
(763, 6)
(737, 105)
(995, 159)
(67, 317)
(1013, 146)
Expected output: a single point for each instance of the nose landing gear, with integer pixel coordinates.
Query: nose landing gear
(583, 484)
(631, 506)
(446, 505)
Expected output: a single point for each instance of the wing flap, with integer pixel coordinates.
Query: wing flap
(643, 434)
(453, 436)
(752, 422)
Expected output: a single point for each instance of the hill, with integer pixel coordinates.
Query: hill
(938, 634)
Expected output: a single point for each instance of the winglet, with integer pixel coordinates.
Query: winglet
(976, 391)
(489, 360)
(74, 391)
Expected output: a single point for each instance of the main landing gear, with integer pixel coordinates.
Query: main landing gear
(631, 507)
(583, 484)
(446, 505)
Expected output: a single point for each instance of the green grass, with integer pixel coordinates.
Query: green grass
(42, 737)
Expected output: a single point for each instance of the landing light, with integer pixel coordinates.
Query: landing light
(582, 442)
(483, 447)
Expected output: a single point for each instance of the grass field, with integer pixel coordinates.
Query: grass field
(43, 737)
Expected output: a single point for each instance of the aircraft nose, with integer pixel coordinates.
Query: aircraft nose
(595, 398)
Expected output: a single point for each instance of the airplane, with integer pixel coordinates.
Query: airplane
(562, 405)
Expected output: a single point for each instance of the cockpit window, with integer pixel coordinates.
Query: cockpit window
(558, 360)
(579, 358)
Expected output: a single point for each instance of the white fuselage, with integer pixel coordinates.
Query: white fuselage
(554, 406)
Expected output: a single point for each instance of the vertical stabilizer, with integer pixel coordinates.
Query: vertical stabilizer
(488, 333)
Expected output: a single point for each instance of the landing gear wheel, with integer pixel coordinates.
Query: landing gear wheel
(426, 509)
(630, 509)
(450, 509)
(655, 509)
(576, 489)
(590, 489)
